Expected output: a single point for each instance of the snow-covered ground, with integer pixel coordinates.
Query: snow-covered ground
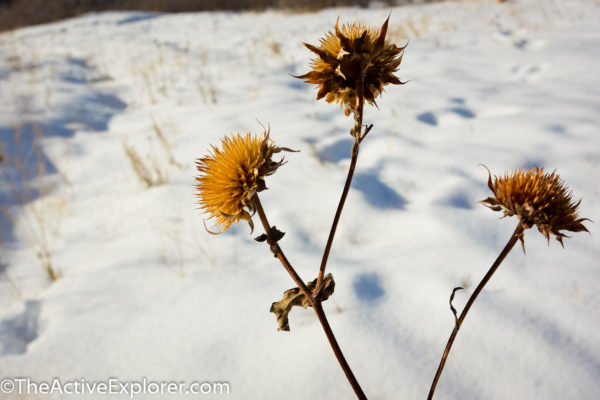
(144, 291)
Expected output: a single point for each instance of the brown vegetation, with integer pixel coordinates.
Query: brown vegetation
(19, 13)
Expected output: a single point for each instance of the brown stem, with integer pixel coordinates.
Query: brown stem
(511, 243)
(338, 214)
(316, 305)
(358, 137)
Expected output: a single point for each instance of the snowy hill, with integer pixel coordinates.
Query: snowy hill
(144, 292)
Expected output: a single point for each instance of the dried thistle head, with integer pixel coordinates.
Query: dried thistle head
(353, 62)
(230, 177)
(536, 198)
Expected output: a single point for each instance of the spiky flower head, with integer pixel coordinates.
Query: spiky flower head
(536, 198)
(230, 177)
(352, 62)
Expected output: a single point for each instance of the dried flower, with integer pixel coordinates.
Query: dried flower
(536, 198)
(229, 178)
(352, 60)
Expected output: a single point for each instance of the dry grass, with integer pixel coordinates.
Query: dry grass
(411, 28)
(6, 277)
(178, 246)
(29, 196)
(207, 88)
(153, 169)
(148, 171)
(166, 146)
(40, 213)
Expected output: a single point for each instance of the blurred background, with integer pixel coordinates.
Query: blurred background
(17, 13)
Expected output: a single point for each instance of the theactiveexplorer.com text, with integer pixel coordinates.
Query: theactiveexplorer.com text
(110, 386)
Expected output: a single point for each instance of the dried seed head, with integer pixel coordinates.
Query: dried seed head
(352, 60)
(536, 198)
(229, 178)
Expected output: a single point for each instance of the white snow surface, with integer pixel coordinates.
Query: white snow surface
(145, 291)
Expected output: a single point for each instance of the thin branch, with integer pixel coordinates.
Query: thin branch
(277, 252)
(338, 214)
(511, 243)
(358, 135)
(316, 304)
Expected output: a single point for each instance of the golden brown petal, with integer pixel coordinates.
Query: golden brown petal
(382, 33)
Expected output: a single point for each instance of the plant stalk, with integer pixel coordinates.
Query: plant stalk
(316, 304)
(511, 243)
(338, 214)
(358, 135)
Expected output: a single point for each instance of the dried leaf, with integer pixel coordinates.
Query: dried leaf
(452, 306)
(261, 238)
(275, 234)
(295, 297)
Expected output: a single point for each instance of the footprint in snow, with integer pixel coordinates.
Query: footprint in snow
(527, 72)
(447, 116)
(428, 118)
(377, 193)
(368, 287)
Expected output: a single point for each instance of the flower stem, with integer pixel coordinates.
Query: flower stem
(511, 243)
(338, 214)
(316, 305)
(358, 135)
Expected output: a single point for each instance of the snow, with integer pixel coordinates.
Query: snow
(144, 291)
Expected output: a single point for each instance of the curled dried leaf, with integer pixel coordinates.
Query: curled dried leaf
(295, 297)
(452, 306)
